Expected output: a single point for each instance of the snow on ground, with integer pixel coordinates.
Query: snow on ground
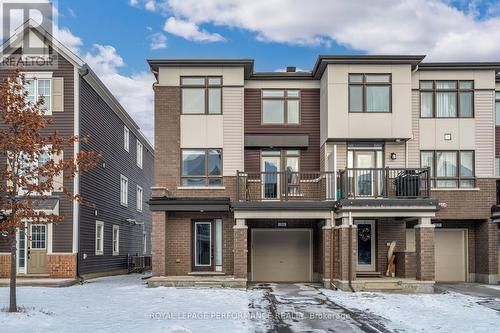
(125, 304)
(448, 312)
(492, 286)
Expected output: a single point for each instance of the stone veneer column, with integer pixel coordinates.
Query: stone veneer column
(240, 249)
(158, 243)
(327, 252)
(424, 249)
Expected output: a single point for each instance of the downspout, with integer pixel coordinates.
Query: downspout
(332, 257)
(349, 265)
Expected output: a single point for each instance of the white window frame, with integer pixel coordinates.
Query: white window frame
(35, 76)
(116, 240)
(47, 149)
(497, 166)
(140, 150)
(99, 239)
(139, 198)
(123, 191)
(144, 242)
(126, 138)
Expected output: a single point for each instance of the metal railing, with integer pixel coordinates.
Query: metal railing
(285, 186)
(354, 183)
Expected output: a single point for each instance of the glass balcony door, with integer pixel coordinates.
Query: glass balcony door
(270, 177)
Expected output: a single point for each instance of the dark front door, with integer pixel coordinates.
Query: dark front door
(366, 245)
(203, 236)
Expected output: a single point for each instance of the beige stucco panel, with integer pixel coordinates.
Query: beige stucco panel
(483, 79)
(202, 131)
(432, 134)
(170, 76)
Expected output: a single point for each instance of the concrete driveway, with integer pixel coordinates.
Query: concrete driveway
(490, 294)
(304, 308)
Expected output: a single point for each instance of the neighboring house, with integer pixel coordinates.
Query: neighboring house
(309, 176)
(98, 240)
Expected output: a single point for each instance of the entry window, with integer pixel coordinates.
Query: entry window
(450, 169)
(116, 240)
(37, 88)
(22, 248)
(203, 243)
(99, 237)
(38, 236)
(281, 107)
(201, 95)
(369, 92)
(201, 167)
(123, 190)
(447, 99)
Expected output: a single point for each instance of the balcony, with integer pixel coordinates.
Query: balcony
(345, 184)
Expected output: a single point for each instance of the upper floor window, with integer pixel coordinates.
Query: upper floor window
(126, 138)
(37, 88)
(123, 190)
(369, 93)
(99, 238)
(497, 166)
(139, 154)
(281, 107)
(138, 199)
(30, 169)
(447, 99)
(450, 168)
(497, 108)
(116, 240)
(201, 95)
(201, 167)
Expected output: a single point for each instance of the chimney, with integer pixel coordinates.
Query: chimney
(291, 69)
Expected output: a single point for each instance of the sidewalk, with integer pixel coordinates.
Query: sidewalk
(40, 282)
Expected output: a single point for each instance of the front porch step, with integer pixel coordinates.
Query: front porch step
(369, 275)
(382, 286)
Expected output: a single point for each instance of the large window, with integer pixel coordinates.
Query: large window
(138, 197)
(450, 169)
(497, 108)
(281, 107)
(99, 238)
(369, 93)
(446, 99)
(29, 168)
(201, 95)
(123, 190)
(201, 167)
(37, 88)
(116, 240)
(139, 153)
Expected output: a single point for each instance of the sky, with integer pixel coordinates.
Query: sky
(115, 37)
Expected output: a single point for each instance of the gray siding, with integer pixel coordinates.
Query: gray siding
(102, 187)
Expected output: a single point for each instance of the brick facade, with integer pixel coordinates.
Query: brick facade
(424, 252)
(240, 251)
(61, 266)
(158, 247)
(4, 265)
(341, 254)
(388, 230)
(326, 251)
(486, 251)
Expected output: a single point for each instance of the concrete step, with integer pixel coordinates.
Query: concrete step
(382, 286)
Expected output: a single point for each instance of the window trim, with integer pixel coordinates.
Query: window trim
(363, 85)
(139, 161)
(458, 178)
(39, 76)
(138, 203)
(205, 86)
(126, 138)
(206, 176)
(435, 90)
(285, 100)
(144, 242)
(101, 242)
(116, 240)
(124, 203)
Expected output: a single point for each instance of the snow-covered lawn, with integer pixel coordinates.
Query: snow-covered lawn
(448, 312)
(125, 304)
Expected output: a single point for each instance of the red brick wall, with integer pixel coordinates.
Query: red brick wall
(158, 246)
(4, 265)
(61, 265)
(240, 252)
(388, 230)
(424, 253)
(341, 252)
(486, 248)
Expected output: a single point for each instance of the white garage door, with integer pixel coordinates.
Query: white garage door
(451, 255)
(281, 255)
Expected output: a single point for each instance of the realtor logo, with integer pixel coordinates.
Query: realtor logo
(17, 16)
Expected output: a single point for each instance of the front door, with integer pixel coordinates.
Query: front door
(366, 245)
(270, 177)
(364, 163)
(203, 246)
(37, 249)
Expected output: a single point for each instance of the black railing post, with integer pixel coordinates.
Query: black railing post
(386, 189)
(428, 172)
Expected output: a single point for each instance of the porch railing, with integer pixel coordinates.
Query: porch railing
(285, 186)
(356, 183)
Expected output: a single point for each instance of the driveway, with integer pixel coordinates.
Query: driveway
(490, 295)
(304, 308)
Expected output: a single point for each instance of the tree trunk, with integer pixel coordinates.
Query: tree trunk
(13, 274)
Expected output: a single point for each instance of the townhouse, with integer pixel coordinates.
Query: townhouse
(311, 176)
(102, 235)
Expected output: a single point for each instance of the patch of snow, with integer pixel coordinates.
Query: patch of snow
(448, 312)
(492, 286)
(125, 304)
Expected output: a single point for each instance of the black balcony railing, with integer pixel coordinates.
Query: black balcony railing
(357, 183)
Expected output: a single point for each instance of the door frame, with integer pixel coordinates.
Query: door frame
(278, 182)
(465, 234)
(373, 266)
(309, 230)
(201, 268)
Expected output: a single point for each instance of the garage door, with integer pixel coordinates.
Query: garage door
(282, 255)
(450, 247)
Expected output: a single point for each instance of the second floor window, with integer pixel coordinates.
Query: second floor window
(99, 238)
(281, 107)
(201, 95)
(37, 88)
(497, 108)
(201, 167)
(449, 168)
(446, 99)
(126, 138)
(139, 154)
(369, 93)
(139, 198)
(123, 190)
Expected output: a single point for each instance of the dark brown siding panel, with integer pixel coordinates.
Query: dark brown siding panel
(101, 186)
(63, 124)
(309, 124)
(252, 160)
